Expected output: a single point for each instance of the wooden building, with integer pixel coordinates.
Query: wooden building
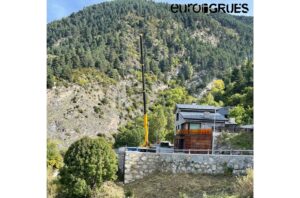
(194, 125)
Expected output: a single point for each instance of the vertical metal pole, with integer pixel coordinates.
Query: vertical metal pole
(213, 139)
(146, 142)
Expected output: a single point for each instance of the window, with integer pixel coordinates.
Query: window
(177, 116)
(195, 126)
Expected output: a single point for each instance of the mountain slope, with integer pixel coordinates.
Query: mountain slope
(94, 54)
(105, 36)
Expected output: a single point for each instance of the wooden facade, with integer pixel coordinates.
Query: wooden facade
(194, 126)
(198, 139)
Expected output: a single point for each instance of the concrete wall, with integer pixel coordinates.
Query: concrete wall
(139, 165)
(121, 161)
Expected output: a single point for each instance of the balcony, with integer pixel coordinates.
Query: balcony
(207, 131)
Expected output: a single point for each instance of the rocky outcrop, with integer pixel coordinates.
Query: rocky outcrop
(76, 111)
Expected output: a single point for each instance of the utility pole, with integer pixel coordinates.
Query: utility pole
(146, 141)
(213, 139)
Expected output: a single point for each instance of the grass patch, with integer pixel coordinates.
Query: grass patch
(182, 185)
(244, 185)
(108, 189)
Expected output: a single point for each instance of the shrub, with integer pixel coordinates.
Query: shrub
(244, 185)
(227, 169)
(54, 158)
(104, 101)
(242, 140)
(52, 184)
(129, 193)
(88, 163)
(97, 109)
(130, 137)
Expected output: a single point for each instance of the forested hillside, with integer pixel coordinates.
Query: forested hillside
(189, 46)
(94, 54)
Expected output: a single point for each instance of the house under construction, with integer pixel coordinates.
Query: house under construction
(194, 125)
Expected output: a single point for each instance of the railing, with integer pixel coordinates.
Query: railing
(215, 152)
(192, 151)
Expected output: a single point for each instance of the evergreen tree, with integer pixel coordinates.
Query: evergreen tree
(88, 163)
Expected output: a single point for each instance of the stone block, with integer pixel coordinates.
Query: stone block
(213, 167)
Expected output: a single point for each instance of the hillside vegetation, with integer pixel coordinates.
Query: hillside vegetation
(94, 75)
(187, 46)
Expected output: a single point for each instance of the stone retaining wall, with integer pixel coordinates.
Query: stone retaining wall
(138, 165)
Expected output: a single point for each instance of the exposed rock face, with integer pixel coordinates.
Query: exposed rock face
(76, 111)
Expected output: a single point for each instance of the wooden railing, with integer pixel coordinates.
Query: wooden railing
(194, 131)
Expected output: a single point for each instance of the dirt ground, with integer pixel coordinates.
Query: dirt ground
(181, 185)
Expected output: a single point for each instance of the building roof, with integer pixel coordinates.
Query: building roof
(195, 106)
(202, 116)
(223, 110)
(249, 126)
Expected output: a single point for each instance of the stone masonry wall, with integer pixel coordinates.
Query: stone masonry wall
(138, 165)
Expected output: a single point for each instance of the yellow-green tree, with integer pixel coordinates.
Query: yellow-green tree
(238, 113)
(54, 158)
(157, 124)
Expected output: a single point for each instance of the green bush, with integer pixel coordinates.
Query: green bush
(227, 169)
(129, 193)
(244, 185)
(88, 163)
(54, 158)
(130, 137)
(97, 109)
(243, 140)
(238, 141)
(104, 101)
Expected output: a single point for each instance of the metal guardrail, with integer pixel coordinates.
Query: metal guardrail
(214, 152)
(192, 151)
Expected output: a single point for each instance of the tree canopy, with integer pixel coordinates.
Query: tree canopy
(87, 164)
(105, 37)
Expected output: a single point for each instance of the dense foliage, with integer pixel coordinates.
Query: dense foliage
(234, 90)
(236, 141)
(105, 37)
(88, 163)
(161, 119)
(130, 135)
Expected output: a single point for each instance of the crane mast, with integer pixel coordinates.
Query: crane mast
(146, 142)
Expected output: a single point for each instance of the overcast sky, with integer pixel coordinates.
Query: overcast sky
(57, 9)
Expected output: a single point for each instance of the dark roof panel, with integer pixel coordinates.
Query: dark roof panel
(203, 116)
(223, 110)
(195, 106)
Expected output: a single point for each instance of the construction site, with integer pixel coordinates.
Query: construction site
(194, 149)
